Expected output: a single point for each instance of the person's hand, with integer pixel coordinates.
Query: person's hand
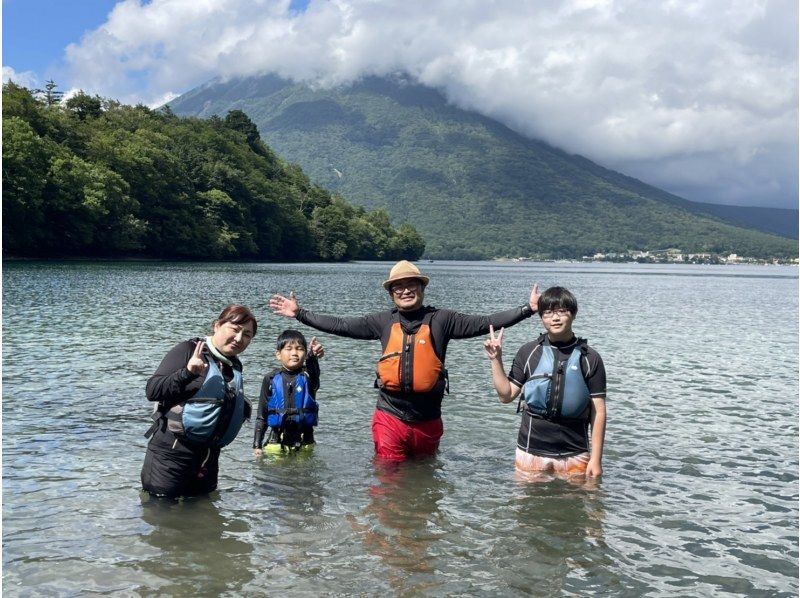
(284, 306)
(534, 299)
(594, 470)
(257, 452)
(197, 365)
(315, 348)
(494, 344)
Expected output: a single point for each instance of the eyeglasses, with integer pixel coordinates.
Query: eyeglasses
(412, 285)
(561, 313)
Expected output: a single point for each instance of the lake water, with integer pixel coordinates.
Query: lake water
(699, 495)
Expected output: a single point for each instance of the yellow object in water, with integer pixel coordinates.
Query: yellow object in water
(273, 448)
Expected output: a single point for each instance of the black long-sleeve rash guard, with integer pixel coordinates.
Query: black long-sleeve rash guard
(172, 383)
(445, 325)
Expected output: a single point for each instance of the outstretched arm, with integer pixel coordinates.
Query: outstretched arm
(598, 422)
(365, 327)
(284, 306)
(506, 391)
(466, 326)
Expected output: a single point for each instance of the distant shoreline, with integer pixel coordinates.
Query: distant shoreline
(85, 259)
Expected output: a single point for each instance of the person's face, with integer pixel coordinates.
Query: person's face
(231, 339)
(558, 323)
(292, 356)
(407, 294)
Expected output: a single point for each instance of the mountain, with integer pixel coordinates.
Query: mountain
(780, 221)
(471, 186)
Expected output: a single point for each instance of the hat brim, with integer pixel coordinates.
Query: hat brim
(388, 283)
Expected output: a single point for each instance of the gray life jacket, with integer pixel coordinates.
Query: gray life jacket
(557, 389)
(213, 416)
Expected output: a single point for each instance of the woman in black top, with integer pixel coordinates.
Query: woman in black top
(174, 466)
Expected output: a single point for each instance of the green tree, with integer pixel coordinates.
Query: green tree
(51, 96)
(95, 177)
(239, 121)
(409, 243)
(25, 163)
(85, 106)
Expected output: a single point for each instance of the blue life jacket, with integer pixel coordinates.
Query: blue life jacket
(557, 389)
(301, 408)
(215, 414)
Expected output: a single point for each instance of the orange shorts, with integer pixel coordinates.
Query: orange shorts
(575, 465)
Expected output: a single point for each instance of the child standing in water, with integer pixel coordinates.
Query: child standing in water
(563, 386)
(287, 404)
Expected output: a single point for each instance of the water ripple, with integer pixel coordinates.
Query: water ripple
(699, 497)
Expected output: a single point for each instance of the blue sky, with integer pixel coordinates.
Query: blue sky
(697, 97)
(35, 32)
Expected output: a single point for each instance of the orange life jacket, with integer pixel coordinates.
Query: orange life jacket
(409, 362)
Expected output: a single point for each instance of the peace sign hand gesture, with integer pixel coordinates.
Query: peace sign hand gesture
(494, 344)
(197, 365)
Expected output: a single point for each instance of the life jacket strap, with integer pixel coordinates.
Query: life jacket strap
(287, 411)
(156, 417)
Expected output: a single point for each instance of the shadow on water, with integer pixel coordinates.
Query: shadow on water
(198, 548)
(404, 521)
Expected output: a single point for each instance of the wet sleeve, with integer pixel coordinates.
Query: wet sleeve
(517, 374)
(465, 326)
(365, 327)
(313, 371)
(169, 381)
(261, 415)
(596, 376)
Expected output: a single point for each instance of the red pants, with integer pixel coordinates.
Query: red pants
(396, 440)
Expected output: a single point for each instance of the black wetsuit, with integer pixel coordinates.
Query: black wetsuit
(173, 467)
(445, 325)
(302, 434)
(560, 438)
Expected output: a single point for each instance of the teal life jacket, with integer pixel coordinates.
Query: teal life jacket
(557, 389)
(300, 407)
(213, 416)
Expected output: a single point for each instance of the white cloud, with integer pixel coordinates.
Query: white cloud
(698, 97)
(25, 78)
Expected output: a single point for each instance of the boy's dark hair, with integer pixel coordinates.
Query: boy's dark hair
(557, 298)
(289, 336)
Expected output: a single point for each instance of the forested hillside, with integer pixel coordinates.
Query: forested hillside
(474, 188)
(92, 177)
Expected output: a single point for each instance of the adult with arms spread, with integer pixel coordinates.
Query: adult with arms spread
(411, 378)
(200, 407)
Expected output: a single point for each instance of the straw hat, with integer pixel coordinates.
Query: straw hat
(402, 270)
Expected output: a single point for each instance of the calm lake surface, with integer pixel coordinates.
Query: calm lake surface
(699, 495)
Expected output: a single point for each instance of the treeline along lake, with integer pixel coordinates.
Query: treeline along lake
(699, 494)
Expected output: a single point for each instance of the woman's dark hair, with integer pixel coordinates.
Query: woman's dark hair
(237, 314)
(557, 298)
(291, 336)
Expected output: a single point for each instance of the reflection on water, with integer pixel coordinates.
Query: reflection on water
(571, 516)
(403, 521)
(699, 495)
(201, 549)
